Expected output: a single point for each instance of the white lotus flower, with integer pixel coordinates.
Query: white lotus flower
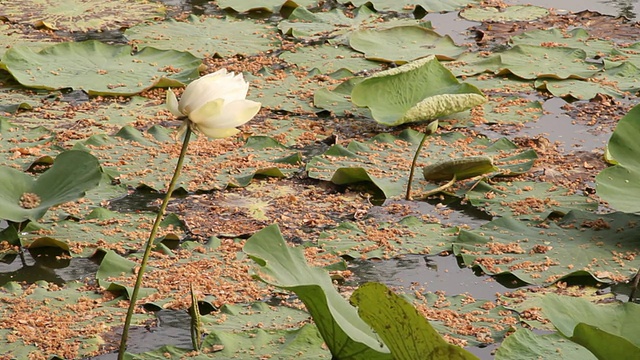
(215, 104)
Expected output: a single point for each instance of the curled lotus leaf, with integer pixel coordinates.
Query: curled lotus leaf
(418, 91)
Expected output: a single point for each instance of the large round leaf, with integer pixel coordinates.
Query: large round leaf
(23, 198)
(402, 44)
(80, 15)
(100, 69)
(620, 184)
(418, 91)
(204, 37)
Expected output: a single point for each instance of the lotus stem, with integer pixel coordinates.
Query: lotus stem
(431, 128)
(149, 246)
(196, 329)
(439, 188)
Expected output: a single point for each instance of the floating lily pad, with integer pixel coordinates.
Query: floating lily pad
(236, 344)
(80, 15)
(148, 160)
(620, 184)
(338, 99)
(402, 44)
(26, 310)
(401, 326)
(24, 198)
(607, 330)
(509, 13)
(285, 90)
(419, 91)
(205, 37)
(576, 38)
(329, 58)
(426, 5)
(526, 199)
(526, 344)
(580, 244)
(366, 240)
(498, 110)
(384, 161)
(11, 36)
(335, 26)
(474, 321)
(243, 6)
(103, 230)
(579, 89)
(106, 69)
(21, 146)
(98, 116)
(532, 62)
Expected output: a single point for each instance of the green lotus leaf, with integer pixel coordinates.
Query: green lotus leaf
(498, 109)
(402, 44)
(410, 235)
(408, 334)
(105, 69)
(489, 322)
(419, 91)
(525, 344)
(335, 26)
(24, 198)
(154, 161)
(401, 6)
(11, 35)
(533, 62)
(580, 244)
(103, 229)
(29, 150)
(576, 38)
(620, 184)
(287, 343)
(86, 331)
(609, 331)
(286, 90)
(329, 58)
(509, 13)
(526, 199)
(304, 24)
(243, 6)
(338, 322)
(382, 161)
(80, 15)
(205, 37)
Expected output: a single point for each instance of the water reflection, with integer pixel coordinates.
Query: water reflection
(434, 273)
(46, 263)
